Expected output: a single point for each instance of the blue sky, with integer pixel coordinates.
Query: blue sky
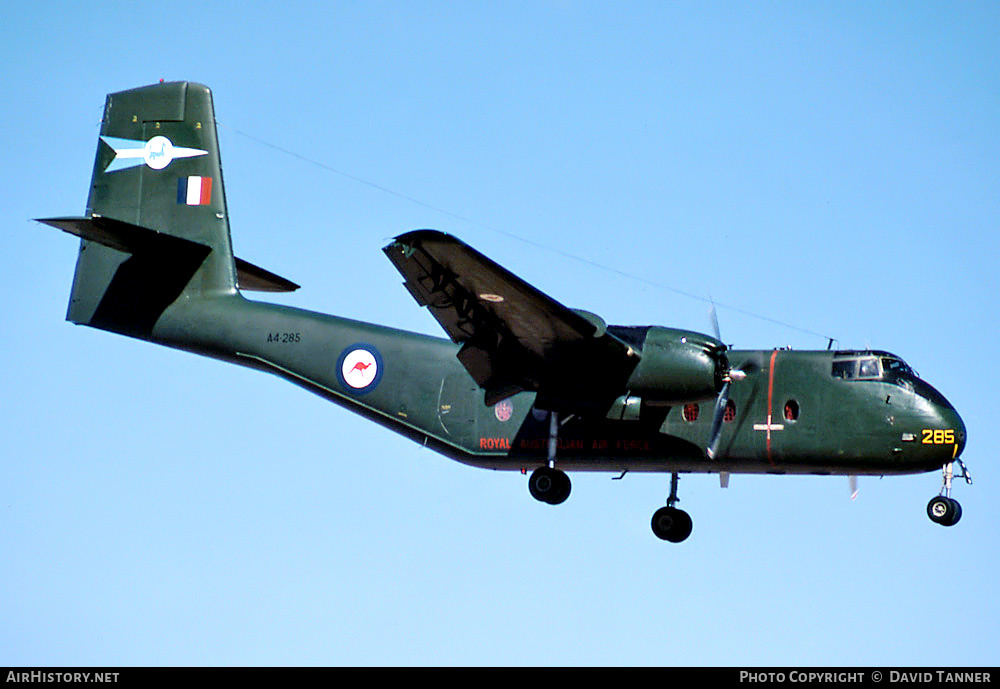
(833, 167)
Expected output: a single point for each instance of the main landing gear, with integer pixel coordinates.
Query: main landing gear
(548, 484)
(944, 509)
(670, 523)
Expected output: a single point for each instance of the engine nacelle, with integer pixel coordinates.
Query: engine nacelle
(678, 366)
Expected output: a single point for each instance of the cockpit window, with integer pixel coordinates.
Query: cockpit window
(873, 366)
(868, 368)
(896, 366)
(845, 369)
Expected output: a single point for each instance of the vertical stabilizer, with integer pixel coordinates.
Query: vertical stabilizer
(157, 167)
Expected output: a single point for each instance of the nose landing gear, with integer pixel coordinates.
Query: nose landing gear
(944, 509)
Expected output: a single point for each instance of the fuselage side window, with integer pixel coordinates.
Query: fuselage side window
(845, 369)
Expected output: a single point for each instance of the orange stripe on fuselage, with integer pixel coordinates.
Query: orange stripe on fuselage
(770, 401)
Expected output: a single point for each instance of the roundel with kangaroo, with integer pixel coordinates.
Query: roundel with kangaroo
(359, 368)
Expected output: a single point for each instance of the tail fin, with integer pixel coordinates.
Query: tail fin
(157, 180)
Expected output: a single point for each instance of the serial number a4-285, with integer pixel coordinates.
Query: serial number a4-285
(284, 338)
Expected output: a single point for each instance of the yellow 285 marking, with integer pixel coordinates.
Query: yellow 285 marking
(938, 436)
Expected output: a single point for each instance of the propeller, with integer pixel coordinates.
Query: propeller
(852, 480)
(722, 401)
(715, 323)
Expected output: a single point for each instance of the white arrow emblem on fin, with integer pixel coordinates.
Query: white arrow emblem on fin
(157, 153)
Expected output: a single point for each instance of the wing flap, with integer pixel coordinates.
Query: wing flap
(463, 288)
(514, 337)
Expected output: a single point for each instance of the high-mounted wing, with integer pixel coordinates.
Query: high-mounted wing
(513, 336)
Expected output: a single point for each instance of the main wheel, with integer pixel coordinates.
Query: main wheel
(944, 511)
(671, 524)
(549, 485)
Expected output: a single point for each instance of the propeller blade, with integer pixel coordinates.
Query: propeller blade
(715, 323)
(720, 411)
(853, 480)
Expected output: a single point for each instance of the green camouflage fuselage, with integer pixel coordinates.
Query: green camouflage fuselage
(842, 426)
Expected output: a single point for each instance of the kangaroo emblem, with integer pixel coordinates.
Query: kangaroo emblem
(360, 368)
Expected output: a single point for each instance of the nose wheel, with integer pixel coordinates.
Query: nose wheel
(944, 509)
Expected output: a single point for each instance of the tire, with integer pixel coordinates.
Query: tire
(671, 524)
(942, 510)
(957, 513)
(548, 485)
(563, 487)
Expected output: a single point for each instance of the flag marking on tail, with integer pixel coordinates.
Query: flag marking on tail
(194, 190)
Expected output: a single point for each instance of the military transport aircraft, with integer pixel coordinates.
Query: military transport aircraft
(523, 383)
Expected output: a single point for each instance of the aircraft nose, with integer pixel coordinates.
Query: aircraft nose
(950, 420)
(959, 427)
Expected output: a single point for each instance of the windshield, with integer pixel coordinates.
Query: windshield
(868, 368)
(872, 366)
(865, 366)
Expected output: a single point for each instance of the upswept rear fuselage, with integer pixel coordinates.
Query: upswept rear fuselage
(790, 414)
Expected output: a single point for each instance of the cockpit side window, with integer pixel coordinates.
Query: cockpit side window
(895, 371)
(895, 366)
(868, 368)
(845, 369)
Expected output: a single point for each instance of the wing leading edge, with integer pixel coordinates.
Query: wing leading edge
(514, 337)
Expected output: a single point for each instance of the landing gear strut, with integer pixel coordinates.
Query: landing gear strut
(944, 509)
(547, 483)
(670, 523)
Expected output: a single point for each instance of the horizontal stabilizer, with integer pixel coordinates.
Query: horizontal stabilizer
(121, 235)
(256, 279)
(133, 239)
